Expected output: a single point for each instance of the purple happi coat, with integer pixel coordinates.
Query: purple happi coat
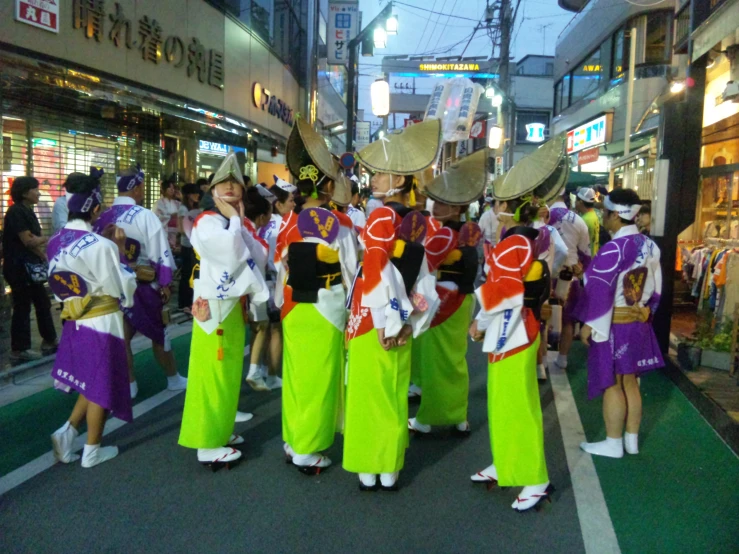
(625, 272)
(92, 352)
(147, 243)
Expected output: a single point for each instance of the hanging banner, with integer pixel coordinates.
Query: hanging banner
(479, 129)
(343, 26)
(588, 156)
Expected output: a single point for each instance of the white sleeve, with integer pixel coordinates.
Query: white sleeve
(225, 247)
(117, 279)
(560, 251)
(583, 239)
(60, 213)
(161, 212)
(157, 248)
(256, 249)
(348, 255)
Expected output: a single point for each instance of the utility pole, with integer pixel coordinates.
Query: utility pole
(504, 79)
(353, 46)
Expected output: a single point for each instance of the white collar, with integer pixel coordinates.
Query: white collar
(79, 225)
(123, 201)
(626, 231)
(559, 204)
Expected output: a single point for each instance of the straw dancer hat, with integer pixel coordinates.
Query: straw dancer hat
(463, 182)
(533, 172)
(229, 170)
(405, 151)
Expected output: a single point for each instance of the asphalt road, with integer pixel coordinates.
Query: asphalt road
(155, 497)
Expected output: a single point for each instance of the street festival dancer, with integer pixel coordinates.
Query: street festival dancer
(393, 300)
(622, 291)
(148, 253)
(222, 280)
(315, 260)
(440, 354)
(89, 274)
(509, 322)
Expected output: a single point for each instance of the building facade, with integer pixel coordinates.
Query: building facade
(112, 84)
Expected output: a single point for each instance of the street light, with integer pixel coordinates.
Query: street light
(495, 135)
(380, 94)
(379, 37)
(391, 25)
(497, 101)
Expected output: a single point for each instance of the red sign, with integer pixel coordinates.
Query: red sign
(409, 122)
(588, 156)
(478, 129)
(43, 14)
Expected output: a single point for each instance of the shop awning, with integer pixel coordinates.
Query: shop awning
(579, 179)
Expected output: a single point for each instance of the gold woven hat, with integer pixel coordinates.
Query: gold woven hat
(555, 183)
(229, 170)
(305, 147)
(405, 151)
(463, 182)
(532, 171)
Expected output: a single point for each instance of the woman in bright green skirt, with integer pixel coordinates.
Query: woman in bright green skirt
(376, 434)
(441, 359)
(223, 279)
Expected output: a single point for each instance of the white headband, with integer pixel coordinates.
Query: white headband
(623, 211)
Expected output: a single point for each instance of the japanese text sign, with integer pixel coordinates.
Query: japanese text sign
(343, 26)
(43, 14)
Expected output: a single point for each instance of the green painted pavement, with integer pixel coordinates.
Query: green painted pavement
(679, 495)
(27, 423)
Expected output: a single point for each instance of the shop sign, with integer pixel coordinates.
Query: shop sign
(363, 134)
(535, 132)
(150, 40)
(442, 67)
(343, 26)
(478, 130)
(214, 148)
(588, 156)
(43, 14)
(263, 98)
(591, 134)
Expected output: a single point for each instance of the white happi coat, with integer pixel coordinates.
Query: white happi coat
(96, 260)
(227, 269)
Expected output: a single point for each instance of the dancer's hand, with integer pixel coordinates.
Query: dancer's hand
(119, 237)
(404, 335)
(227, 210)
(386, 343)
(476, 335)
(585, 332)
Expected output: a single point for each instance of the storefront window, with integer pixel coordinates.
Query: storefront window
(620, 57)
(565, 92)
(586, 78)
(657, 44)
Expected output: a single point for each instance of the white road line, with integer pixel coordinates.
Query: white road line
(595, 521)
(45, 461)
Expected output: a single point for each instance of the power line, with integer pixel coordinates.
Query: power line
(426, 26)
(435, 12)
(445, 25)
(418, 15)
(431, 35)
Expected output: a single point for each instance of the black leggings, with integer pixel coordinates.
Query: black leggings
(184, 295)
(24, 294)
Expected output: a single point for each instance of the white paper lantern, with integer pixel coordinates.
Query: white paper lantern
(380, 93)
(495, 136)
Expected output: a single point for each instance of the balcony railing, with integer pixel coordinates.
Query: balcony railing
(682, 29)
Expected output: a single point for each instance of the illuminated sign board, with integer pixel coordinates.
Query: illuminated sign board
(265, 100)
(437, 67)
(535, 132)
(591, 134)
(214, 148)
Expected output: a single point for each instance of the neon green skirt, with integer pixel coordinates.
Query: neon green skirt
(376, 420)
(213, 386)
(516, 429)
(441, 360)
(313, 358)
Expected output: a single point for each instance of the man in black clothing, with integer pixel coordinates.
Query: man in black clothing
(24, 262)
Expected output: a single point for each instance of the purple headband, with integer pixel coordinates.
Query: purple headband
(83, 203)
(127, 183)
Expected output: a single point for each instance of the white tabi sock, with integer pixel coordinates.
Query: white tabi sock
(255, 371)
(631, 443)
(611, 448)
(562, 361)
